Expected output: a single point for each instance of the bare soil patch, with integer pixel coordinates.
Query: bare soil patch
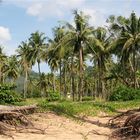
(63, 128)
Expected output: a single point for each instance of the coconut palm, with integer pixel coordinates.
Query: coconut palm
(58, 50)
(42, 84)
(12, 69)
(53, 62)
(3, 60)
(77, 38)
(128, 41)
(37, 43)
(25, 63)
(100, 47)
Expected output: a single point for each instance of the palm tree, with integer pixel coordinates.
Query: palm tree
(100, 47)
(53, 62)
(37, 43)
(42, 83)
(25, 63)
(77, 37)
(128, 40)
(58, 50)
(3, 60)
(12, 69)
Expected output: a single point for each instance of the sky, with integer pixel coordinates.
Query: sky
(20, 18)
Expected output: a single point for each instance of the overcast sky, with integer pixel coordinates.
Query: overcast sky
(19, 18)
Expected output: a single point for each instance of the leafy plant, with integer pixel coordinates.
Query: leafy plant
(87, 98)
(8, 95)
(53, 96)
(123, 93)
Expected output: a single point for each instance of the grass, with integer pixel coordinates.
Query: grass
(91, 108)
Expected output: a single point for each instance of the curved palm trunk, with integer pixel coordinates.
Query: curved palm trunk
(80, 93)
(25, 84)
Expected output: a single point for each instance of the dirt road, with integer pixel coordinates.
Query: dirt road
(62, 128)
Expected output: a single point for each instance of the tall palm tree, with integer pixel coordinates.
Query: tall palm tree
(23, 52)
(3, 61)
(58, 50)
(100, 47)
(42, 83)
(128, 41)
(37, 43)
(77, 37)
(12, 69)
(53, 62)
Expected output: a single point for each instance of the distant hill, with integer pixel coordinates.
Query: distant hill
(20, 80)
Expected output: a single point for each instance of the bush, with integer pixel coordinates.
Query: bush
(53, 96)
(8, 95)
(123, 93)
(87, 98)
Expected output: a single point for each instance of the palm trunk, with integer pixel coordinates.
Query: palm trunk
(38, 62)
(99, 79)
(0, 75)
(65, 85)
(80, 74)
(72, 80)
(134, 66)
(60, 82)
(54, 87)
(25, 84)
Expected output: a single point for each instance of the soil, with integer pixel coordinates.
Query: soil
(63, 128)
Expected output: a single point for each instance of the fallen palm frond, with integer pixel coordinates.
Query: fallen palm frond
(12, 118)
(128, 125)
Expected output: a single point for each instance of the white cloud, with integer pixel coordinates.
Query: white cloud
(96, 16)
(9, 48)
(43, 9)
(34, 9)
(52, 8)
(5, 40)
(60, 8)
(4, 34)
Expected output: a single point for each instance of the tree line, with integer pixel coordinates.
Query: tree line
(113, 50)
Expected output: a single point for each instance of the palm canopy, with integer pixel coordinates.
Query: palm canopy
(100, 45)
(78, 33)
(3, 64)
(12, 70)
(128, 30)
(37, 44)
(128, 40)
(23, 53)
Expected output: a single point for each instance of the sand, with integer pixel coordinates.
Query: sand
(63, 128)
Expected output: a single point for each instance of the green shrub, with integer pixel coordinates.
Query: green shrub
(53, 96)
(123, 93)
(8, 95)
(87, 98)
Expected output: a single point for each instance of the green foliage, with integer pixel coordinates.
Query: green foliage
(123, 93)
(87, 98)
(8, 95)
(73, 109)
(63, 108)
(53, 96)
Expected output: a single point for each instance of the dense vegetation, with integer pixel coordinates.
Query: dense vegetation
(114, 52)
(8, 95)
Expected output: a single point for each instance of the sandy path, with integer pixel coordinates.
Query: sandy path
(62, 128)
